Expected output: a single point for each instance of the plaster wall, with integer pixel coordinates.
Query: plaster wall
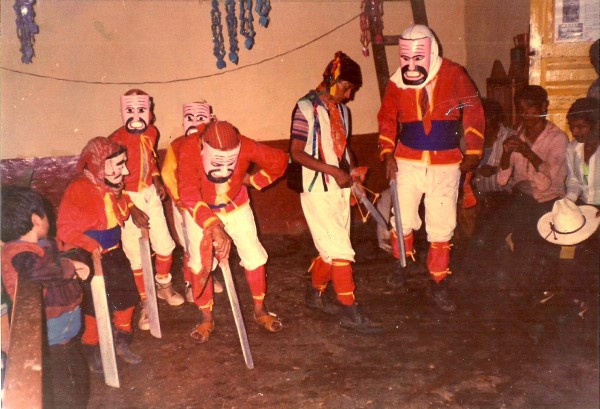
(489, 30)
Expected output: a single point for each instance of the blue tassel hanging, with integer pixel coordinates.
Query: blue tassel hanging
(246, 25)
(26, 28)
(263, 7)
(217, 32)
(232, 31)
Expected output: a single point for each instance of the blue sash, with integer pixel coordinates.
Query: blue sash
(107, 238)
(443, 136)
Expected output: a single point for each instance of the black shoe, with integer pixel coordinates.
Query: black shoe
(316, 300)
(406, 276)
(354, 319)
(122, 341)
(397, 278)
(439, 294)
(93, 358)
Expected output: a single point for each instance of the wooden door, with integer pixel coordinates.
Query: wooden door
(562, 68)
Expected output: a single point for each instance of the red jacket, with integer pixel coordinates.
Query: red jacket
(198, 194)
(86, 206)
(169, 168)
(454, 94)
(141, 157)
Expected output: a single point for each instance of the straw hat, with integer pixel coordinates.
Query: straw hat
(567, 223)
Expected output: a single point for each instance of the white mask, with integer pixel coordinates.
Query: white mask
(195, 113)
(115, 170)
(135, 112)
(218, 164)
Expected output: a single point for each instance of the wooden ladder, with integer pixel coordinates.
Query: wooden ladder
(381, 63)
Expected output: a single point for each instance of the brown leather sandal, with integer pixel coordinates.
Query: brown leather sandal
(201, 333)
(270, 322)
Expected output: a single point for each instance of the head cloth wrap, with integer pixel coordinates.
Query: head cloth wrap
(94, 155)
(221, 135)
(341, 68)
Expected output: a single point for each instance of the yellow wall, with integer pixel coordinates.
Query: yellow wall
(83, 46)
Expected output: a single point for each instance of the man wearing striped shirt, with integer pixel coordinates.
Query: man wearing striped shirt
(320, 131)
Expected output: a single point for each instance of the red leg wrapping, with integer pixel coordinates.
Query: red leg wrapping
(257, 281)
(122, 319)
(204, 299)
(408, 245)
(320, 273)
(343, 282)
(90, 332)
(163, 265)
(138, 276)
(438, 260)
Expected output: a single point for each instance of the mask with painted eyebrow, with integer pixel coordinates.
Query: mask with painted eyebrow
(219, 165)
(115, 170)
(195, 113)
(415, 60)
(135, 112)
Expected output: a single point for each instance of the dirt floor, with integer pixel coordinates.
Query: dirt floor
(502, 348)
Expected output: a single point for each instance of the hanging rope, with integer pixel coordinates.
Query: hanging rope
(263, 7)
(246, 25)
(232, 31)
(371, 11)
(217, 32)
(26, 28)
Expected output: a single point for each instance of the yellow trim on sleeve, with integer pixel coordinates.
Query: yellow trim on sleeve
(475, 131)
(209, 221)
(383, 152)
(254, 183)
(197, 206)
(385, 138)
(265, 174)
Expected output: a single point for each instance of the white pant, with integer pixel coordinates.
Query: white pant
(439, 184)
(178, 225)
(192, 236)
(240, 225)
(328, 218)
(148, 201)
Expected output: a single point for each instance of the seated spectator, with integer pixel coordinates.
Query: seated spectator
(583, 155)
(535, 160)
(568, 227)
(495, 135)
(28, 254)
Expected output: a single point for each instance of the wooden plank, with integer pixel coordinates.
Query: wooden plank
(419, 12)
(23, 382)
(562, 68)
(380, 58)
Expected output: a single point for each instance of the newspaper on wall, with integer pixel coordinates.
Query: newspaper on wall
(576, 20)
